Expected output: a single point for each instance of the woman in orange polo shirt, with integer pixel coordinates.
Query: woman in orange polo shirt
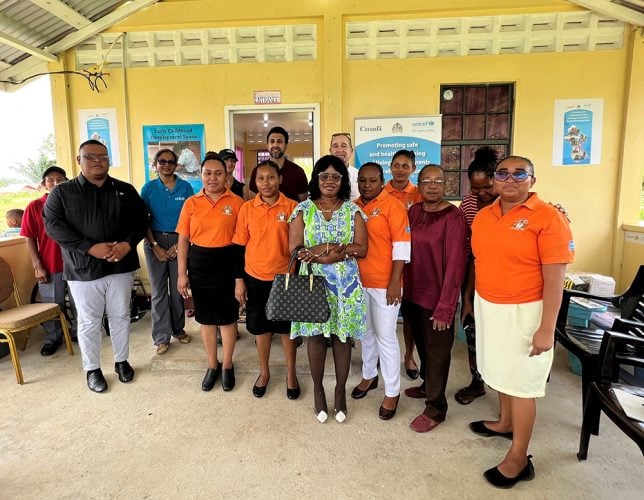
(262, 227)
(211, 267)
(381, 273)
(403, 165)
(521, 246)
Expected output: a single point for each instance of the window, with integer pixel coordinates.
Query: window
(473, 116)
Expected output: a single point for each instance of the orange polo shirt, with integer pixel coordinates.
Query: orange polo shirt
(409, 195)
(510, 249)
(389, 239)
(263, 230)
(209, 224)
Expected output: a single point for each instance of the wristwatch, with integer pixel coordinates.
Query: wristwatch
(153, 244)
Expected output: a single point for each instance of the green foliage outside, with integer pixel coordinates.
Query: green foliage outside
(31, 170)
(15, 200)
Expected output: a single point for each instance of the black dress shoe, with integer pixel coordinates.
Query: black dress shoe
(358, 393)
(412, 373)
(293, 393)
(50, 348)
(386, 414)
(96, 381)
(258, 391)
(495, 478)
(210, 378)
(480, 428)
(124, 371)
(228, 379)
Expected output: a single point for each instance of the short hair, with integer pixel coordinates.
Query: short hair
(515, 157)
(53, 169)
(430, 165)
(15, 213)
(278, 130)
(485, 160)
(375, 165)
(405, 152)
(345, 134)
(271, 164)
(339, 166)
(90, 142)
(211, 155)
(163, 151)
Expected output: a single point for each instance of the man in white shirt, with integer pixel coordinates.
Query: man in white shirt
(342, 147)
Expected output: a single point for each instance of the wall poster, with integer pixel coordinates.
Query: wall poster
(100, 125)
(377, 139)
(187, 142)
(577, 136)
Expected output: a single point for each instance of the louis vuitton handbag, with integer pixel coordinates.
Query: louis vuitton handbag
(296, 297)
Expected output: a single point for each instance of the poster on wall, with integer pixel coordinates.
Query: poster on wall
(377, 139)
(187, 142)
(578, 132)
(100, 125)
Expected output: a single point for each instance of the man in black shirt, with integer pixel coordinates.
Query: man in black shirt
(98, 222)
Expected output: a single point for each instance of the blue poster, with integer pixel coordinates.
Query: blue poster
(378, 139)
(578, 129)
(187, 142)
(99, 130)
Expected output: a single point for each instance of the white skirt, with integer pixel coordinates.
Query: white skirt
(503, 344)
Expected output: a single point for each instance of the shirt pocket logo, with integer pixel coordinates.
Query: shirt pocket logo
(227, 210)
(520, 225)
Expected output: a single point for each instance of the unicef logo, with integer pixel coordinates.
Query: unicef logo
(397, 128)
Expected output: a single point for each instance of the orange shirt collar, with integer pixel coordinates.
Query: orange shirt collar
(382, 196)
(409, 188)
(531, 203)
(202, 194)
(258, 202)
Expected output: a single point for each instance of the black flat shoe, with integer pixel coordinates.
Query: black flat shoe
(293, 393)
(479, 428)
(210, 378)
(258, 391)
(495, 478)
(96, 381)
(50, 348)
(228, 379)
(358, 393)
(386, 414)
(124, 371)
(412, 373)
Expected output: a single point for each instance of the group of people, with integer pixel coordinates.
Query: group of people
(394, 248)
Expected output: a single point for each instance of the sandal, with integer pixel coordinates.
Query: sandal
(468, 394)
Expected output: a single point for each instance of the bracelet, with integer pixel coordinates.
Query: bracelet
(327, 247)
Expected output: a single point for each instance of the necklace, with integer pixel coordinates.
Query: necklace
(329, 210)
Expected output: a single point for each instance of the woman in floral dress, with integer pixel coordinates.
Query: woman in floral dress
(333, 232)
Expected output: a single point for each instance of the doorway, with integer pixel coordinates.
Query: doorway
(247, 126)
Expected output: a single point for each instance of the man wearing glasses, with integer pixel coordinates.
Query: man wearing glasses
(294, 184)
(98, 222)
(342, 147)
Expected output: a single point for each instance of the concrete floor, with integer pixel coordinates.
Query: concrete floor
(162, 437)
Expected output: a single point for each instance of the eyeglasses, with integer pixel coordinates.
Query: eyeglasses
(163, 162)
(429, 182)
(330, 177)
(93, 157)
(518, 176)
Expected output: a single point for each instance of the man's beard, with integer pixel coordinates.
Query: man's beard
(276, 154)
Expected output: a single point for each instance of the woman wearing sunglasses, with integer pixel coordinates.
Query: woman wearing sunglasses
(333, 232)
(521, 246)
(164, 197)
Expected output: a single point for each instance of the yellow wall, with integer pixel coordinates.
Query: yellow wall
(595, 196)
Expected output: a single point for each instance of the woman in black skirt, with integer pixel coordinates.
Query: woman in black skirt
(211, 266)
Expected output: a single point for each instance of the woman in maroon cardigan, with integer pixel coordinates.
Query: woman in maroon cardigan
(432, 283)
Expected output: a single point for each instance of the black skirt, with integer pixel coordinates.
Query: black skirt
(256, 321)
(212, 273)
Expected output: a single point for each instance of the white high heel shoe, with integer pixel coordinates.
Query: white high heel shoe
(322, 416)
(340, 416)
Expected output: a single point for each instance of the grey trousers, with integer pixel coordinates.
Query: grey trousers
(168, 315)
(54, 292)
(111, 295)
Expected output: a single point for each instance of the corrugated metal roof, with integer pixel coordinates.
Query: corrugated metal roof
(34, 31)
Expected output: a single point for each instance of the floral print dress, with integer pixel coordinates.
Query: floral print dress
(344, 290)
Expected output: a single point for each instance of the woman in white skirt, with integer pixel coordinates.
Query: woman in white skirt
(521, 247)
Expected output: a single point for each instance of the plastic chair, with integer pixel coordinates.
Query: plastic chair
(584, 342)
(24, 317)
(616, 350)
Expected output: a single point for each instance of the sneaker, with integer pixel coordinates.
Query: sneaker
(162, 348)
(183, 338)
